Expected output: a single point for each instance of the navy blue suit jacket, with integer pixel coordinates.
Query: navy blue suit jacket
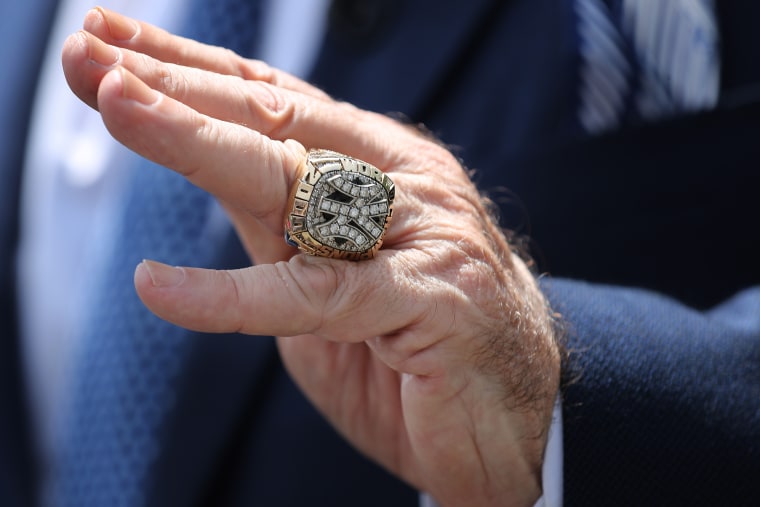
(20, 55)
(662, 398)
(663, 395)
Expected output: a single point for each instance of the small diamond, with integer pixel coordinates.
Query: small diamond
(376, 232)
(373, 209)
(353, 213)
(347, 187)
(360, 240)
(342, 220)
(364, 192)
(362, 220)
(324, 231)
(359, 203)
(334, 207)
(344, 209)
(365, 210)
(383, 207)
(334, 228)
(325, 206)
(344, 230)
(352, 233)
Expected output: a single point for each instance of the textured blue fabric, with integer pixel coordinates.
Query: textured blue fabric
(661, 401)
(124, 383)
(663, 407)
(126, 375)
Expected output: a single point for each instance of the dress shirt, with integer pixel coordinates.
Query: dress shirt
(72, 190)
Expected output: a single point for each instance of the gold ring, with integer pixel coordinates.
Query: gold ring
(341, 207)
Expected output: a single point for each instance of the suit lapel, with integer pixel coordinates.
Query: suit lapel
(16, 98)
(17, 482)
(380, 69)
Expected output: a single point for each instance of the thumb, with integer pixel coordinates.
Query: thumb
(307, 295)
(255, 300)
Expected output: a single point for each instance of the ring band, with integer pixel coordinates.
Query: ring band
(341, 207)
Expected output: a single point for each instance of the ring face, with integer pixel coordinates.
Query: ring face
(341, 207)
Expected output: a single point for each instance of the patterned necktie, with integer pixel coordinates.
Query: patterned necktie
(128, 366)
(645, 60)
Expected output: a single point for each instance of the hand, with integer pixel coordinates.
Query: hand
(437, 358)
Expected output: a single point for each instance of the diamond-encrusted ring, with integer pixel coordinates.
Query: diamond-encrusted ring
(341, 207)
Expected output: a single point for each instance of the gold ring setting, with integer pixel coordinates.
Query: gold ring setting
(341, 207)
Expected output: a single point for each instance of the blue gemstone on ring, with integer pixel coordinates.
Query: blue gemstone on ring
(289, 241)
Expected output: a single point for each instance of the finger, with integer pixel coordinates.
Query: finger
(338, 300)
(277, 112)
(239, 166)
(87, 59)
(85, 63)
(122, 31)
(236, 164)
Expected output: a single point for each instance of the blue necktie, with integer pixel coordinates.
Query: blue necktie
(642, 60)
(129, 364)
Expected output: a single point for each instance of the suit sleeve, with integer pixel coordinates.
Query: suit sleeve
(661, 404)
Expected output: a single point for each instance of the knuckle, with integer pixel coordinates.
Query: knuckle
(304, 292)
(229, 55)
(329, 290)
(235, 286)
(264, 98)
(173, 83)
(280, 113)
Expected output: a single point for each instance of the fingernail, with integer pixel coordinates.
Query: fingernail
(135, 89)
(102, 53)
(120, 27)
(163, 275)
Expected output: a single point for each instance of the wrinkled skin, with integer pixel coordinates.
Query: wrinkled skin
(437, 358)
